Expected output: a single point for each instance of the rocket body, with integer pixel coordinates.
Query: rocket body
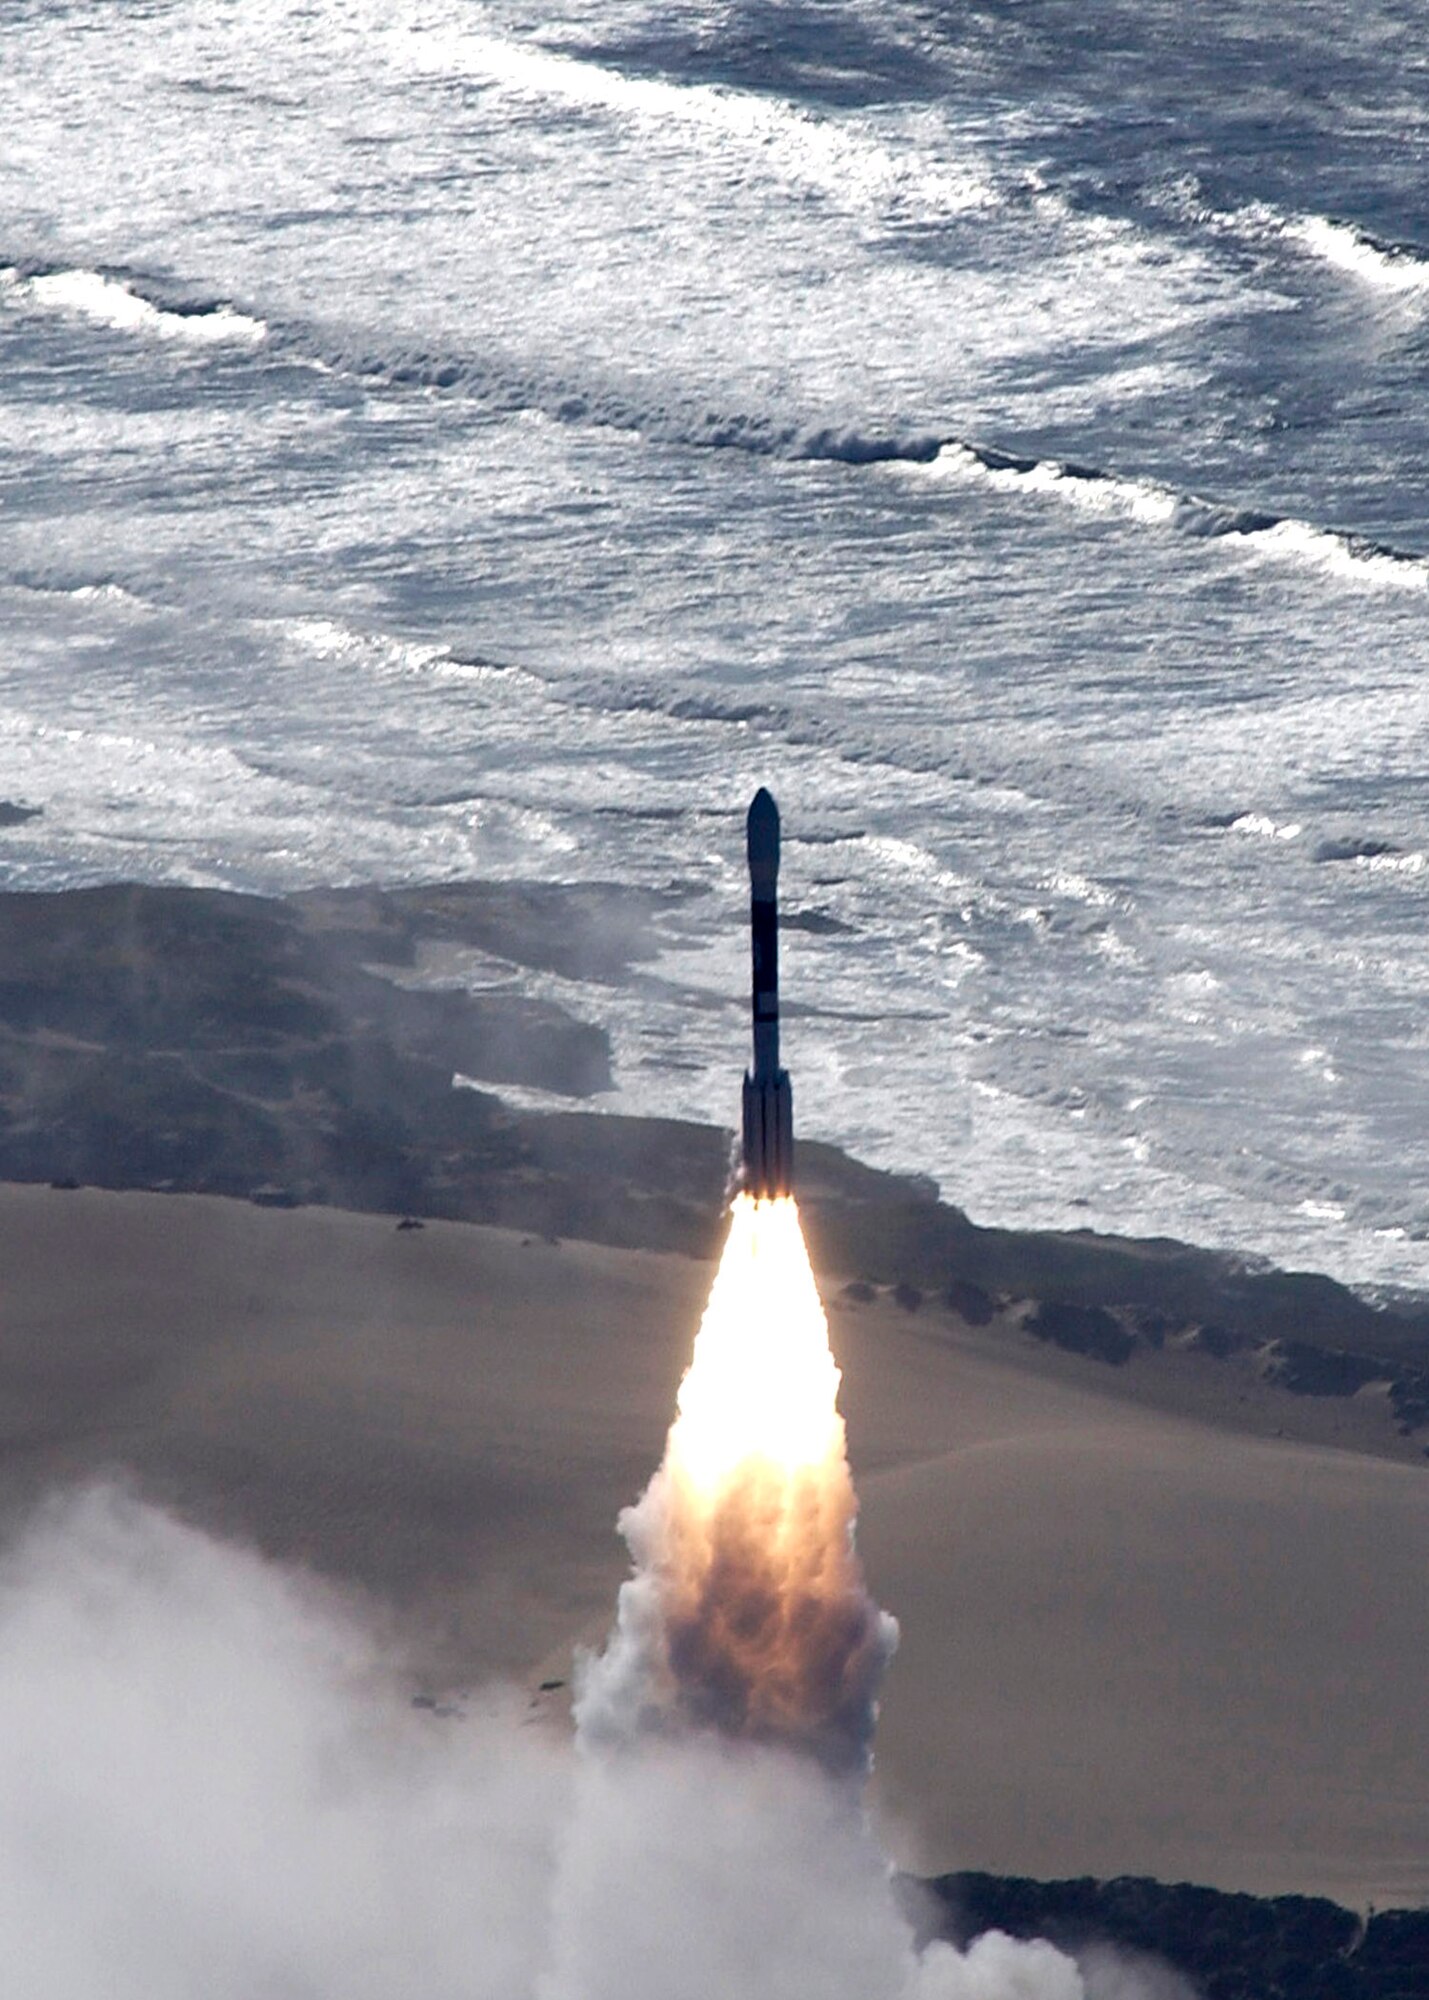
(768, 1094)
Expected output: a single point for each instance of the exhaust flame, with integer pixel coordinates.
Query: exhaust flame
(761, 1392)
(747, 1612)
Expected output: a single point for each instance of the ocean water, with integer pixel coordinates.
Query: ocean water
(444, 439)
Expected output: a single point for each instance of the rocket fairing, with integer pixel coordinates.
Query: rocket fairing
(768, 1094)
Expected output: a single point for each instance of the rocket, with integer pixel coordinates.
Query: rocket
(768, 1094)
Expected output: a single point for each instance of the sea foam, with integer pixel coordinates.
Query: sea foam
(114, 303)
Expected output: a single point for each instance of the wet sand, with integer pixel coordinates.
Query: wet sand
(1142, 1631)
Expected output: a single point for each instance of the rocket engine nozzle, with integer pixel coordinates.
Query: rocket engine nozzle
(769, 1136)
(768, 1093)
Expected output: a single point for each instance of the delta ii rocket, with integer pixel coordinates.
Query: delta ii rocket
(768, 1093)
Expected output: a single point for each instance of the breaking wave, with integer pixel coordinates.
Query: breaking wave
(1352, 559)
(1389, 267)
(115, 302)
(1347, 247)
(506, 386)
(100, 590)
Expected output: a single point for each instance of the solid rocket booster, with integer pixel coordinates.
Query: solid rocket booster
(768, 1094)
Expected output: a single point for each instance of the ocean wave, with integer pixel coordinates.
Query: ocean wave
(681, 701)
(1384, 266)
(1264, 827)
(1355, 847)
(1391, 267)
(1079, 486)
(1346, 246)
(103, 591)
(114, 302)
(1352, 559)
(855, 447)
(505, 386)
(1414, 863)
(797, 145)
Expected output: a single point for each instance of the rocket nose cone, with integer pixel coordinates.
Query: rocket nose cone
(762, 828)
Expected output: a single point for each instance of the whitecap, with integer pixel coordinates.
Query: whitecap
(106, 592)
(1147, 504)
(109, 302)
(1387, 267)
(1080, 889)
(1092, 492)
(1266, 827)
(1306, 546)
(1393, 864)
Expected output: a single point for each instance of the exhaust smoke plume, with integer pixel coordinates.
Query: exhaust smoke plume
(214, 1787)
(747, 1612)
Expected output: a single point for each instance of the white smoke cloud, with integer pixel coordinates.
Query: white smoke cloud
(728, 1626)
(213, 1786)
(1131, 1975)
(210, 1787)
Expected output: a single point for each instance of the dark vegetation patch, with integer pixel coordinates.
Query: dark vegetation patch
(1409, 1399)
(1086, 1330)
(182, 1038)
(1231, 1947)
(1152, 1326)
(970, 1302)
(591, 930)
(1320, 1371)
(1217, 1341)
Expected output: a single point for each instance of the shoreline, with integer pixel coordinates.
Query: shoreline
(200, 1041)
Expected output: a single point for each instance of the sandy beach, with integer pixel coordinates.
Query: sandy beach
(1152, 1621)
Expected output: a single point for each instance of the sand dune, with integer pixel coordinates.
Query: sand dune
(1145, 1646)
(1132, 1638)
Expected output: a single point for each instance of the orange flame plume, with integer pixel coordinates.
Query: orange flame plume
(747, 1611)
